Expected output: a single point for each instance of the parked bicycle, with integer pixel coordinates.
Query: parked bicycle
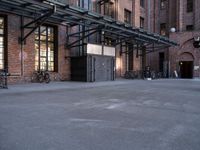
(40, 76)
(133, 74)
(3, 78)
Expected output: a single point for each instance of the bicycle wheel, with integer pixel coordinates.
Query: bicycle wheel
(34, 78)
(126, 75)
(47, 77)
(40, 78)
(1, 82)
(153, 75)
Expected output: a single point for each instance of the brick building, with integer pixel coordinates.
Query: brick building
(33, 36)
(182, 16)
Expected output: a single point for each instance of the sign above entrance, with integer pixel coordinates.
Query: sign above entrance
(99, 50)
(56, 2)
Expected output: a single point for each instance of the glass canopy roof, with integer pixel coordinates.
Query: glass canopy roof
(71, 16)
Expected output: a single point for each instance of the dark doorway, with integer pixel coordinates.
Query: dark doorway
(92, 68)
(161, 61)
(186, 69)
(130, 60)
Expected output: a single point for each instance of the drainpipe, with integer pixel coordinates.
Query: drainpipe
(22, 46)
(143, 58)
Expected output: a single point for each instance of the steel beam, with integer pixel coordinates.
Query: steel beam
(31, 8)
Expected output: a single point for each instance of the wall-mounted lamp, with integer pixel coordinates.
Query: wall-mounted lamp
(173, 30)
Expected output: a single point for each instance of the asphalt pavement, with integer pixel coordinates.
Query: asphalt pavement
(119, 115)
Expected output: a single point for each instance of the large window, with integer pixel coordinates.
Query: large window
(2, 43)
(127, 16)
(189, 5)
(45, 48)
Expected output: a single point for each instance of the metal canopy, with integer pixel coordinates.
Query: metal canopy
(72, 16)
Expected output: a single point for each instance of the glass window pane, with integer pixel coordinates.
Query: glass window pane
(37, 34)
(43, 33)
(51, 56)
(45, 48)
(1, 31)
(1, 43)
(36, 55)
(50, 34)
(1, 25)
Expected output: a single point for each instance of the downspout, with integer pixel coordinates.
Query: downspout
(149, 26)
(22, 46)
(133, 25)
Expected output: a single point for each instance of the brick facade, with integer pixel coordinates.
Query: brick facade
(21, 58)
(175, 15)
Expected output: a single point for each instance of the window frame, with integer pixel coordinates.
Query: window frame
(55, 45)
(142, 22)
(163, 6)
(162, 29)
(142, 3)
(190, 6)
(108, 41)
(111, 9)
(5, 43)
(127, 14)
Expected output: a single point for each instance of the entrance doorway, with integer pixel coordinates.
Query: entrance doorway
(186, 69)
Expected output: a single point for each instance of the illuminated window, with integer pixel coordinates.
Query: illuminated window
(189, 5)
(163, 29)
(2, 43)
(45, 48)
(127, 16)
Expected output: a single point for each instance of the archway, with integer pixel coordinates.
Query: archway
(186, 63)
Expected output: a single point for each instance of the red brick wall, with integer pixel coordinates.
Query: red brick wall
(21, 58)
(186, 46)
(175, 15)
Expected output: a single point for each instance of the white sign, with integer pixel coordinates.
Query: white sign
(97, 50)
(94, 49)
(109, 51)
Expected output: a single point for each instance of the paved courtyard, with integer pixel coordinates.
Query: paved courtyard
(120, 115)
